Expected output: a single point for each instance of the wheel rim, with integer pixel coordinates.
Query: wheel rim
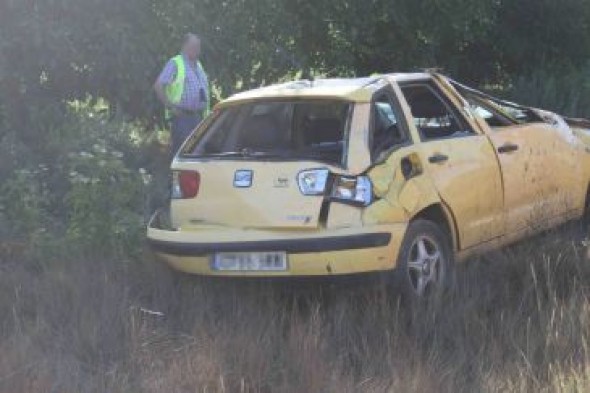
(426, 264)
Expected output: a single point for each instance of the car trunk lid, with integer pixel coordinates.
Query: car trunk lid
(248, 194)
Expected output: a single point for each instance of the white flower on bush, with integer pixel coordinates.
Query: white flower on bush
(85, 154)
(78, 178)
(24, 172)
(117, 154)
(81, 179)
(99, 149)
(145, 176)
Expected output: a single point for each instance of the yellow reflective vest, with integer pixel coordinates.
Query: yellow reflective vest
(175, 90)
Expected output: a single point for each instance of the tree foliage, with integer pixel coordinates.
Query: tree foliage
(53, 51)
(73, 73)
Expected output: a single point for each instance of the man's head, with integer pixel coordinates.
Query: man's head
(191, 47)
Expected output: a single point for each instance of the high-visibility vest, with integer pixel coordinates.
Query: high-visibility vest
(175, 90)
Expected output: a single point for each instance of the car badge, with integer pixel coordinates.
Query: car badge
(281, 182)
(243, 178)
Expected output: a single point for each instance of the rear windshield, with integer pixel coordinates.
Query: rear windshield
(315, 130)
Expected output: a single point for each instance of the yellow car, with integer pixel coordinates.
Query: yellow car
(403, 173)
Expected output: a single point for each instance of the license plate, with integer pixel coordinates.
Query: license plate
(250, 261)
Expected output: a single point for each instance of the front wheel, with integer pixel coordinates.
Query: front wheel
(425, 265)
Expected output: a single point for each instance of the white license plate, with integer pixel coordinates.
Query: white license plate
(250, 261)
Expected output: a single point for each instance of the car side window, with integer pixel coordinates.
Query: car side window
(434, 117)
(387, 133)
(488, 113)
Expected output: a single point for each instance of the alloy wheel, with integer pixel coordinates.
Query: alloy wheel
(425, 265)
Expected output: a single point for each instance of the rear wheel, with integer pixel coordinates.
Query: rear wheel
(425, 264)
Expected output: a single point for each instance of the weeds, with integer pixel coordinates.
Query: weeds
(519, 320)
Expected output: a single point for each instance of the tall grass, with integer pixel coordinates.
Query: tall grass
(519, 320)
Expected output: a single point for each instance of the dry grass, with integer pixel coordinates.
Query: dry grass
(518, 321)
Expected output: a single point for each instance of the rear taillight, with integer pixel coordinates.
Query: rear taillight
(313, 181)
(355, 190)
(185, 184)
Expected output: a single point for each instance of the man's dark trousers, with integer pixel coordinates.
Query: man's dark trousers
(182, 126)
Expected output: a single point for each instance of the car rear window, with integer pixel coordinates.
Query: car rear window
(310, 129)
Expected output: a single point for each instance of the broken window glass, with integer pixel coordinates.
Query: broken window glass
(310, 129)
(434, 118)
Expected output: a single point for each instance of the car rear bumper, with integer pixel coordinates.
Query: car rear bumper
(310, 253)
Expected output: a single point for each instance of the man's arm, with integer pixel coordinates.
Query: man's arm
(160, 89)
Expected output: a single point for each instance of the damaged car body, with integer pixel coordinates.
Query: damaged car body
(400, 173)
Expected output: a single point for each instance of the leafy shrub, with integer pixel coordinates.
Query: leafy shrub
(20, 202)
(104, 201)
(81, 185)
(567, 93)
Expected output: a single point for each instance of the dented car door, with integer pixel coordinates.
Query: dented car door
(561, 157)
(539, 165)
(460, 161)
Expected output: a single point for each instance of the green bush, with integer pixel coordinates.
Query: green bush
(81, 186)
(21, 202)
(104, 202)
(567, 93)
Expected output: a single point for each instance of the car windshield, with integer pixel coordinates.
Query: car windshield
(311, 129)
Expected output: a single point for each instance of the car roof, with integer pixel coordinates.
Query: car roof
(349, 89)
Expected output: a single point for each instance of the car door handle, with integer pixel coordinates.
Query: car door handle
(438, 158)
(507, 148)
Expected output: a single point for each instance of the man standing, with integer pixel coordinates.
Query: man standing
(183, 89)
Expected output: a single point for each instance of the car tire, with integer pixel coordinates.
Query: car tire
(425, 267)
